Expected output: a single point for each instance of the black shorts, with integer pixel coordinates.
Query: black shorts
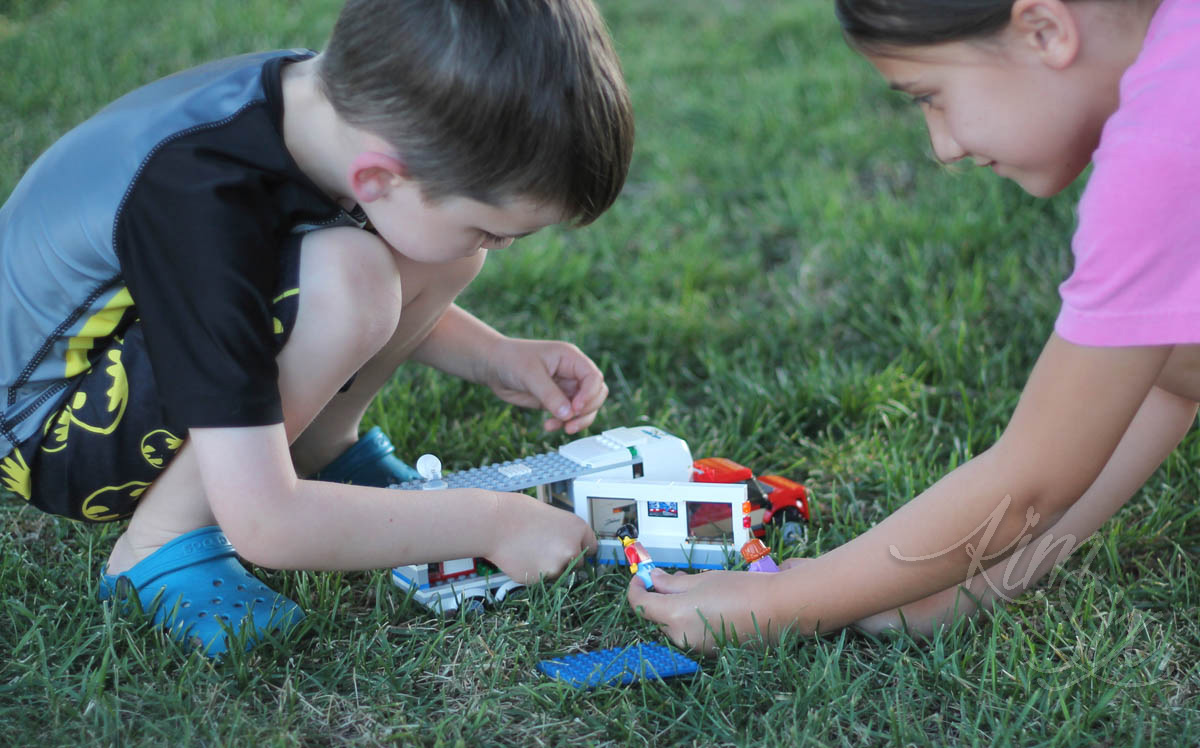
(109, 439)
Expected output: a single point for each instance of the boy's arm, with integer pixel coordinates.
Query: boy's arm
(277, 520)
(551, 374)
(1076, 407)
(1163, 420)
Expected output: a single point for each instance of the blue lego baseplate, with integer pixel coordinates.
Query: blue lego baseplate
(618, 666)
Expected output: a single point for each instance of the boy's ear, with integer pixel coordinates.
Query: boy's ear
(1049, 28)
(374, 174)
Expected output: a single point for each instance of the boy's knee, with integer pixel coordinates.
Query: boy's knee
(458, 275)
(350, 281)
(441, 281)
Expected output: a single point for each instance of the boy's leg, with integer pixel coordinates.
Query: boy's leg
(428, 291)
(349, 301)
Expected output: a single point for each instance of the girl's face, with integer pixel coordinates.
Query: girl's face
(999, 104)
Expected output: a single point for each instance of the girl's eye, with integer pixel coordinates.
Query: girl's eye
(925, 100)
(489, 238)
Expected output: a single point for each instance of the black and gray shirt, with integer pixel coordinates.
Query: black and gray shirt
(169, 205)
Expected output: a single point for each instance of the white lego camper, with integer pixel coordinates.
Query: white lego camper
(640, 472)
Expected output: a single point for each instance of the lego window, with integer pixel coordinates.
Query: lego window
(609, 514)
(557, 494)
(710, 521)
(758, 491)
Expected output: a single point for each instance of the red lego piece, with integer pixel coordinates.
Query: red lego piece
(773, 498)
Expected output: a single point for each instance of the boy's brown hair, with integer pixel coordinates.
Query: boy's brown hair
(488, 99)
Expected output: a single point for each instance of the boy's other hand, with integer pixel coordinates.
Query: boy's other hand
(534, 539)
(698, 611)
(549, 374)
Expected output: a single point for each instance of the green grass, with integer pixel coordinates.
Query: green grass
(789, 281)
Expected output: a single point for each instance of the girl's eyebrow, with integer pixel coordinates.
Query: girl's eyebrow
(905, 86)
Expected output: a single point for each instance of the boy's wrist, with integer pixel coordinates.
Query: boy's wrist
(493, 511)
(460, 345)
(487, 352)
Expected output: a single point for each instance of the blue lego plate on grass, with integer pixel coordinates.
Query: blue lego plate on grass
(618, 666)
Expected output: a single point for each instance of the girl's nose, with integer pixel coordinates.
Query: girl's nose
(945, 148)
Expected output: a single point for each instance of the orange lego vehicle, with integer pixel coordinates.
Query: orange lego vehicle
(773, 499)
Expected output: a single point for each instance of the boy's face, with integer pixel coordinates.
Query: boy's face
(452, 228)
(1002, 108)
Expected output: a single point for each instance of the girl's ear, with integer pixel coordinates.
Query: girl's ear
(1049, 28)
(374, 174)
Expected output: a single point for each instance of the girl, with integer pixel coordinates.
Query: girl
(1034, 90)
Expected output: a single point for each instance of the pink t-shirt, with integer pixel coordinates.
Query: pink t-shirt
(1137, 248)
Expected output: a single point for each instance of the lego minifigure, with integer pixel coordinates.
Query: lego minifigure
(757, 554)
(640, 562)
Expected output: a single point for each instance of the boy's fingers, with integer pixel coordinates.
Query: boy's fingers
(550, 396)
(590, 392)
(589, 400)
(579, 424)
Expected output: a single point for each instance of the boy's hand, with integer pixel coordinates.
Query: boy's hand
(533, 539)
(698, 610)
(550, 374)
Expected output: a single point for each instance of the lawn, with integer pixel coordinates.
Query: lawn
(788, 280)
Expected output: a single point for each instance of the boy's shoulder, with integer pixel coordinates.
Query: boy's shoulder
(114, 142)
(161, 138)
(181, 188)
(203, 94)
(102, 156)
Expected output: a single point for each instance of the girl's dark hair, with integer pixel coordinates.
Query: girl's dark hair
(877, 24)
(488, 99)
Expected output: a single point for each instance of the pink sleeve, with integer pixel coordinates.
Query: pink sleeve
(1137, 249)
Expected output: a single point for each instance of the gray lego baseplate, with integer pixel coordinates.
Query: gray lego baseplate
(517, 475)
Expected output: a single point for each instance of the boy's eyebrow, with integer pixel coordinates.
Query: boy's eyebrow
(905, 86)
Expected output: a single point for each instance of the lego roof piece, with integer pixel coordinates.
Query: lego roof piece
(605, 449)
(664, 456)
(518, 475)
(618, 666)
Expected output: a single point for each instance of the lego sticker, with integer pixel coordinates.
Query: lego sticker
(663, 508)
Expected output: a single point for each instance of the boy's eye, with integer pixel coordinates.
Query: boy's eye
(490, 238)
(925, 100)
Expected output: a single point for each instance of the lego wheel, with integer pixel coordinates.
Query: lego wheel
(472, 606)
(792, 527)
(508, 590)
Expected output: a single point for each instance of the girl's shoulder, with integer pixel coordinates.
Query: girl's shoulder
(1160, 92)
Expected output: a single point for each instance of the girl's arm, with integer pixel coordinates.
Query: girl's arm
(1158, 427)
(1078, 403)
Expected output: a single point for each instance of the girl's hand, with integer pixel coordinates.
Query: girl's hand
(698, 611)
(533, 539)
(550, 374)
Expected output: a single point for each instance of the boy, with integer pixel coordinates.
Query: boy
(205, 285)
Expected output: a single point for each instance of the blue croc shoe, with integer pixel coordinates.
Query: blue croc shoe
(195, 588)
(371, 461)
